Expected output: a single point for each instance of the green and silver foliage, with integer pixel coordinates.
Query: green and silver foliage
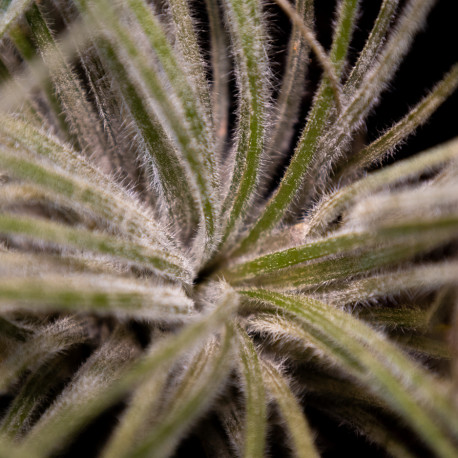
(145, 265)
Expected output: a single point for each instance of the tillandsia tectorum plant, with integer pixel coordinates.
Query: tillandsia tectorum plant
(193, 262)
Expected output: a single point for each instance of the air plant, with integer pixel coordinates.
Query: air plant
(187, 259)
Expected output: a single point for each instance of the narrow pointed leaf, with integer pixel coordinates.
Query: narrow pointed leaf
(255, 415)
(332, 205)
(425, 277)
(220, 83)
(40, 347)
(336, 139)
(96, 293)
(248, 35)
(372, 47)
(378, 365)
(346, 267)
(188, 130)
(294, 175)
(339, 243)
(292, 86)
(301, 436)
(65, 236)
(193, 395)
(78, 112)
(185, 32)
(83, 182)
(418, 115)
(52, 432)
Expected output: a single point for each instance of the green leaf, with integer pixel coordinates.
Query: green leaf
(220, 85)
(185, 33)
(291, 182)
(256, 415)
(337, 138)
(425, 277)
(377, 364)
(79, 114)
(248, 36)
(372, 46)
(417, 116)
(102, 294)
(191, 399)
(301, 437)
(332, 205)
(393, 232)
(73, 176)
(332, 271)
(152, 258)
(31, 397)
(399, 317)
(291, 90)
(112, 375)
(41, 346)
(185, 122)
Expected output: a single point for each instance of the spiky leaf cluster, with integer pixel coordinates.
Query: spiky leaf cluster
(153, 268)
